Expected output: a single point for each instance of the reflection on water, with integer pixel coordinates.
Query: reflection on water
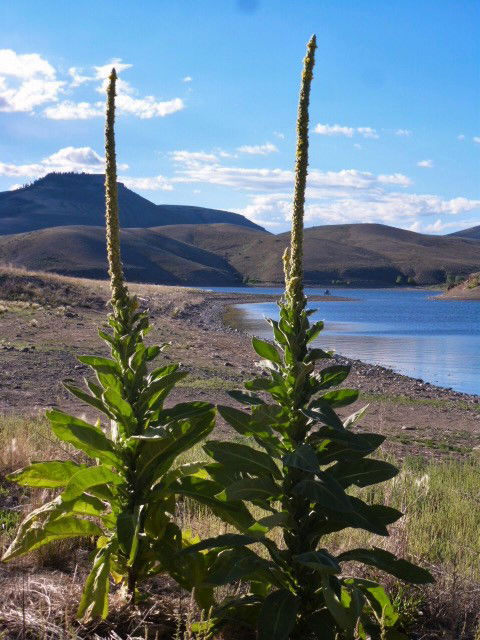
(406, 330)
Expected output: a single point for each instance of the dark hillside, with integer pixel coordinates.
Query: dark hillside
(148, 256)
(61, 199)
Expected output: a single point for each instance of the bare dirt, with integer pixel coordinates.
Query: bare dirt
(40, 341)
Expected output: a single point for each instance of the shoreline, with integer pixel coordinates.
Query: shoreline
(219, 315)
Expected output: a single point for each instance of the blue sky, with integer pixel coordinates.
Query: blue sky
(208, 96)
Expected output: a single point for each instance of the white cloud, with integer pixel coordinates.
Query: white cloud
(368, 132)
(334, 130)
(279, 135)
(193, 158)
(187, 79)
(425, 164)
(25, 66)
(14, 187)
(461, 137)
(341, 130)
(357, 146)
(476, 139)
(148, 107)
(403, 133)
(155, 183)
(66, 159)
(28, 81)
(259, 149)
(67, 110)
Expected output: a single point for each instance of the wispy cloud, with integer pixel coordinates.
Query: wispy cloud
(403, 133)
(65, 159)
(26, 81)
(425, 164)
(187, 79)
(29, 82)
(476, 139)
(342, 130)
(258, 149)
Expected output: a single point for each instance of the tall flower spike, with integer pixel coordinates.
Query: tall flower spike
(293, 262)
(115, 270)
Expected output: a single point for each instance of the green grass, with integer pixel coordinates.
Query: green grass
(412, 401)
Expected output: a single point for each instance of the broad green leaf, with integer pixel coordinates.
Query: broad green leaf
(237, 564)
(355, 417)
(118, 405)
(154, 461)
(319, 560)
(92, 400)
(362, 472)
(183, 410)
(388, 562)
(224, 540)
(49, 475)
(324, 491)
(90, 477)
(242, 457)
(100, 364)
(304, 458)
(340, 397)
(277, 617)
(83, 436)
(314, 330)
(205, 491)
(332, 376)
(266, 350)
(252, 489)
(94, 602)
(39, 534)
(344, 616)
(322, 625)
(378, 599)
(126, 526)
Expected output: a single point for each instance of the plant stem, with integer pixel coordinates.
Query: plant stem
(115, 270)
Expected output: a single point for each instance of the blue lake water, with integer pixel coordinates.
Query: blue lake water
(406, 330)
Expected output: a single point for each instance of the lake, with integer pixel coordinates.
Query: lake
(407, 330)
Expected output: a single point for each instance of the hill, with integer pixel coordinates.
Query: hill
(148, 256)
(473, 233)
(364, 254)
(60, 199)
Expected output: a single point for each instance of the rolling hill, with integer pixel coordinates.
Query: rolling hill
(60, 199)
(56, 225)
(473, 233)
(148, 256)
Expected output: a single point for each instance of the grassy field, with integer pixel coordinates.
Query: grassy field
(440, 530)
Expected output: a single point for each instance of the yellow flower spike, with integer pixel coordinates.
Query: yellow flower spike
(294, 265)
(115, 270)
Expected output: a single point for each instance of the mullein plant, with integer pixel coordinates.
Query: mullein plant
(298, 467)
(123, 497)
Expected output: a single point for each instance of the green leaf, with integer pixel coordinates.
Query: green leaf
(362, 472)
(224, 540)
(355, 417)
(49, 475)
(83, 436)
(344, 616)
(182, 411)
(92, 400)
(378, 600)
(242, 457)
(94, 602)
(266, 350)
(118, 405)
(388, 562)
(324, 491)
(100, 364)
(319, 560)
(277, 617)
(237, 564)
(332, 376)
(39, 534)
(322, 625)
(340, 397)
(90, 477)
(304, 458)
(314, 330)
(153, 461)
(205, 491)
(252, 489)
